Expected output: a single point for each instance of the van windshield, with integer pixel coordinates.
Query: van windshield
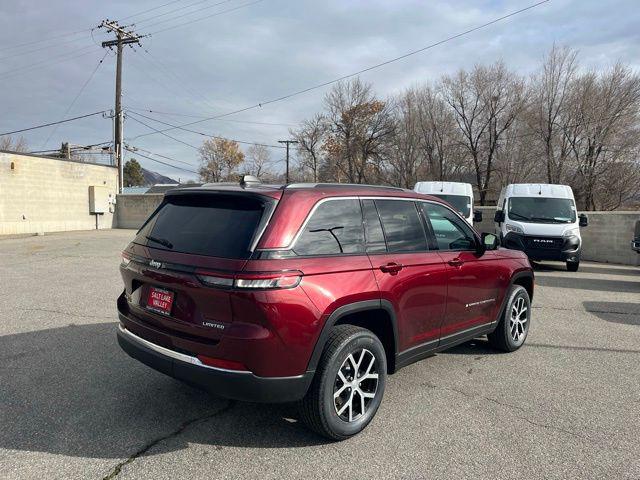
(460, 203)
(542, 210)
(204, 224)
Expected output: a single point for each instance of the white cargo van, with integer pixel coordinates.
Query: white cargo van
(459, 195)
(542, 221)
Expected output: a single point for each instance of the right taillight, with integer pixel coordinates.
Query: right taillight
(253, 281)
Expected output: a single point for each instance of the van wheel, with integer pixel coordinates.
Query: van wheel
(513, 328)
(348, 386)
(573, 266)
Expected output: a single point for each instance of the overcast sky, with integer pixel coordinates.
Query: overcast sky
(263, 50)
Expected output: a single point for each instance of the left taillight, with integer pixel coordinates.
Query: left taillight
(126, 259)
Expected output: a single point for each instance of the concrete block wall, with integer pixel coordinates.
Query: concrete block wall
(133, 210)
(45, 194)
(607, 239)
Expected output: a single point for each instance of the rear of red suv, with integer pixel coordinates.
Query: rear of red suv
(311, 293)
(190, 308)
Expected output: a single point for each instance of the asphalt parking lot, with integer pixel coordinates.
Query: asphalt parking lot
(73, 405)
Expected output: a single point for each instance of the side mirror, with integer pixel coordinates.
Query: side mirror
(499, 216)
(477, 216)
(583, 220)
(490, 241)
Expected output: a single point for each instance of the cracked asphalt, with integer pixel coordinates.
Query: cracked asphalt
(73, 406)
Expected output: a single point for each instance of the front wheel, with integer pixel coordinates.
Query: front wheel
(348, 385)
(513, 327)
(573, 266)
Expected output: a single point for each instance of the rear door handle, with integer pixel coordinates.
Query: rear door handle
(456, 262)
(392, 268)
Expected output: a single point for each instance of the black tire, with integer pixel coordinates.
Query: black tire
(573, 266)
(318, 409)
(502, 337)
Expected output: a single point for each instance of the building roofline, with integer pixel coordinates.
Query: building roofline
(47, 157)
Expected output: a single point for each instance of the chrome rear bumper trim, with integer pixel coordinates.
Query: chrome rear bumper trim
(173, 354)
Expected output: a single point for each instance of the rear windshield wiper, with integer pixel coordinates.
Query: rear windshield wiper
(161, 241)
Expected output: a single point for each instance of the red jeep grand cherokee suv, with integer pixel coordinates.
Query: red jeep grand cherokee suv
(313, 293)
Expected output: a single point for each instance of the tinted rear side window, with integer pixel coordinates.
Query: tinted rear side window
(334, 228)
(402, 226)
(213, 225)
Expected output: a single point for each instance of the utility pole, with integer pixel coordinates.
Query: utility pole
(123, 37)
(287, 143)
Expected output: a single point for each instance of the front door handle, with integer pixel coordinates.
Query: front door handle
(392, 268)
(456, 262)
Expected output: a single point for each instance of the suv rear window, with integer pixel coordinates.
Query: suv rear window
(204, 224)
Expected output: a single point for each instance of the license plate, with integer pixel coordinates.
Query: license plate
(160, 300)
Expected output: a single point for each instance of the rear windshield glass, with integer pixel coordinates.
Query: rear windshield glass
(460, 203)
(213, 225)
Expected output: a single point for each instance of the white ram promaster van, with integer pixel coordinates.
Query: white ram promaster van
(542, 221)
(459, 195)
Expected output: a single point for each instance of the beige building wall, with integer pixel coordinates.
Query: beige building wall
(45, 194)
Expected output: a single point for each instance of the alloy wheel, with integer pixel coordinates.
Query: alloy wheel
(518, 320)
(355, 385)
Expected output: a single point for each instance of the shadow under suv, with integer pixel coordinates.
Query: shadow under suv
(313, 293)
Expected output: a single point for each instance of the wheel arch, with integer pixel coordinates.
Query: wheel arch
(375, 315)
(524, 279)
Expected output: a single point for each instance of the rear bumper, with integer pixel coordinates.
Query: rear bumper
(537, 248)
(232, 384)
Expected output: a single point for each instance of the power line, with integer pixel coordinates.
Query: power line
(46, 47)
(373, 67)
(51, 60)
(174, 114)
(160, 161)
(130, 148)
(48, 39)
(201, 18)
(149, 10)
(155, 130)
(75, 99)
(207, 135)
(53, 123)
(181, 8)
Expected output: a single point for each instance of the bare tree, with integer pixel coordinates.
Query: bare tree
(9, 144)
(549, 112)
(485, 103)
(440, 137)
(360, 127)
(258, 162)
(407, 155)
(606, 107)
(310, 137)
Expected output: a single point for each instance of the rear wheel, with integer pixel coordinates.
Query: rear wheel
(348, 385)
(573, 266)
(513, 328)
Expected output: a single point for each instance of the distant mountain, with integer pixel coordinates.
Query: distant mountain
(151, 178)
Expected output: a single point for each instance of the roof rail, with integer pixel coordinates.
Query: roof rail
(345, 185)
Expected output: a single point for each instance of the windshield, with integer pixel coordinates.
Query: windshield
(542, 210)
(214, 225)
(460, 203)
